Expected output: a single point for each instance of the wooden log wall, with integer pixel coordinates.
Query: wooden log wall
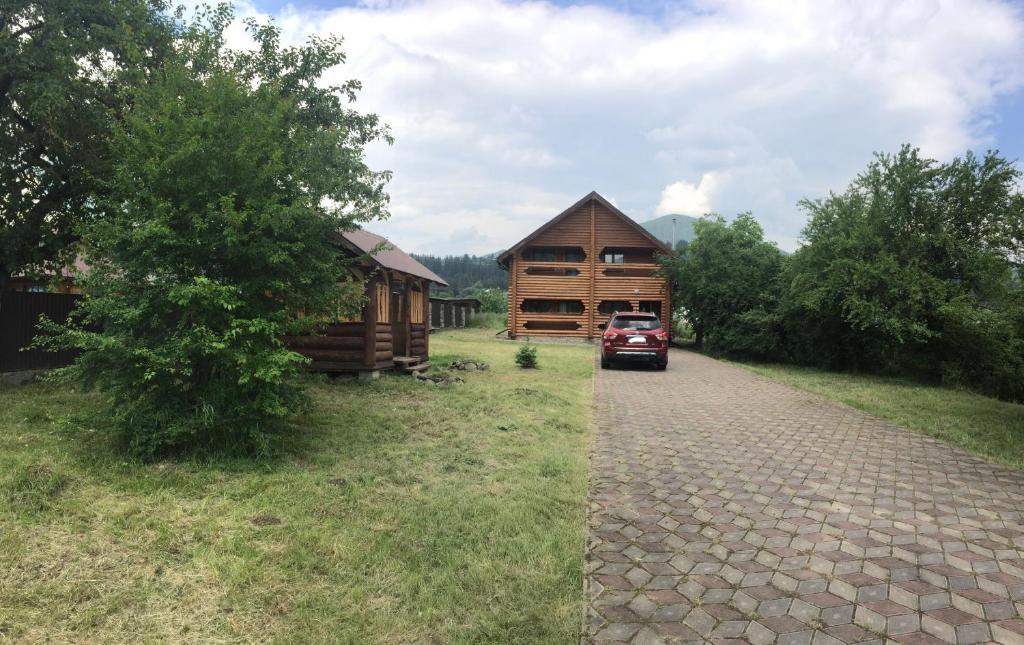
(339, 343)
(383, 352)
(418, 340)
(370, 343)
(593, 228)
(348, 346)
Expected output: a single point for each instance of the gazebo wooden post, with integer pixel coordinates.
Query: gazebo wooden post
(370, 329)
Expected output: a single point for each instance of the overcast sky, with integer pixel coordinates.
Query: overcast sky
(505, 113)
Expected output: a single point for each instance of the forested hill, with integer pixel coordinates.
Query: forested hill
(463, 272)
(662, 228)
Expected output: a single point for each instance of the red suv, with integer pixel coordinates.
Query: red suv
(634, 336)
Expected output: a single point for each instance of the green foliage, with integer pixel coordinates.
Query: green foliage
(726, 281)
(233, 170)
(68, 69)
(526, 357)
(682, 330)
(491, 300)
(914, 270)
(488, 320)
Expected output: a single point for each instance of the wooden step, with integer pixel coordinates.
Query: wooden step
(418, 367)
(406, 360)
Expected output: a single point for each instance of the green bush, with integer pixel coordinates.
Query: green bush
(913, 270)
(491, 300)
(233, 171)
(526, 357)
(726, 281)
(488, 320)
(682, 330)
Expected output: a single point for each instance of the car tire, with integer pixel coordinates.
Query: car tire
(662, 366)
(605, 364)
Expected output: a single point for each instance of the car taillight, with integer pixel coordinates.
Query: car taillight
(662, 336)
(610, 333)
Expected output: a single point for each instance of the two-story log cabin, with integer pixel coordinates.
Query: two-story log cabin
(567, 277)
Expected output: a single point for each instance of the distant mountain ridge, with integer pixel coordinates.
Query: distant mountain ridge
(661, 228)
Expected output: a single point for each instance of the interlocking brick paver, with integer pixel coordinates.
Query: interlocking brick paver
(724, 507)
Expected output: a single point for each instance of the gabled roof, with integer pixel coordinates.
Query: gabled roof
(388, 256)
(591, 196)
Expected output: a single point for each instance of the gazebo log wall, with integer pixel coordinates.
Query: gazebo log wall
(369, 344)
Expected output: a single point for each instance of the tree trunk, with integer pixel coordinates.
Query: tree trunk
(698, 336)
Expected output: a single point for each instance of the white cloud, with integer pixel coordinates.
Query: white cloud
(505, 112)
(688, 199)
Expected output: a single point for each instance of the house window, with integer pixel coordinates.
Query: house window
(629, 273)
(553, 254)
(551, 271)
(651, 307)
(611, 306)
(538, 306)
(540, 255)
(627, 255)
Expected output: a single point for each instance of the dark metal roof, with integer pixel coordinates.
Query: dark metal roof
(592, 195)
(388, 255)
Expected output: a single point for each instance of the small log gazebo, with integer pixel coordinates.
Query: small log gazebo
(393, 330)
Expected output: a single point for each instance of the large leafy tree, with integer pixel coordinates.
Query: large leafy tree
(915, 269)
(726, 281)
(67, 69)
(233, 171)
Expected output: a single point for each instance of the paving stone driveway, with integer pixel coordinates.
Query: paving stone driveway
(725, 506)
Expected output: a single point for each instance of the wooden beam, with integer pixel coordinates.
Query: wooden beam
(407, 315)
(593, 278)
(425, 290)
(513, 269)
(370, 323)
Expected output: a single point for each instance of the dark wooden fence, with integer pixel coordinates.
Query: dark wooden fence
(445, 313)
(19, 315)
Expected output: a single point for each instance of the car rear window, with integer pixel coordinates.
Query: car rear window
(641, 323)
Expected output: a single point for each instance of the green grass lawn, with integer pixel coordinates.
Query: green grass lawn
(401, 512)
(979, 424)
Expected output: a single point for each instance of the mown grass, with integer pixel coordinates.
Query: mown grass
(400, 512)
(988, 427)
